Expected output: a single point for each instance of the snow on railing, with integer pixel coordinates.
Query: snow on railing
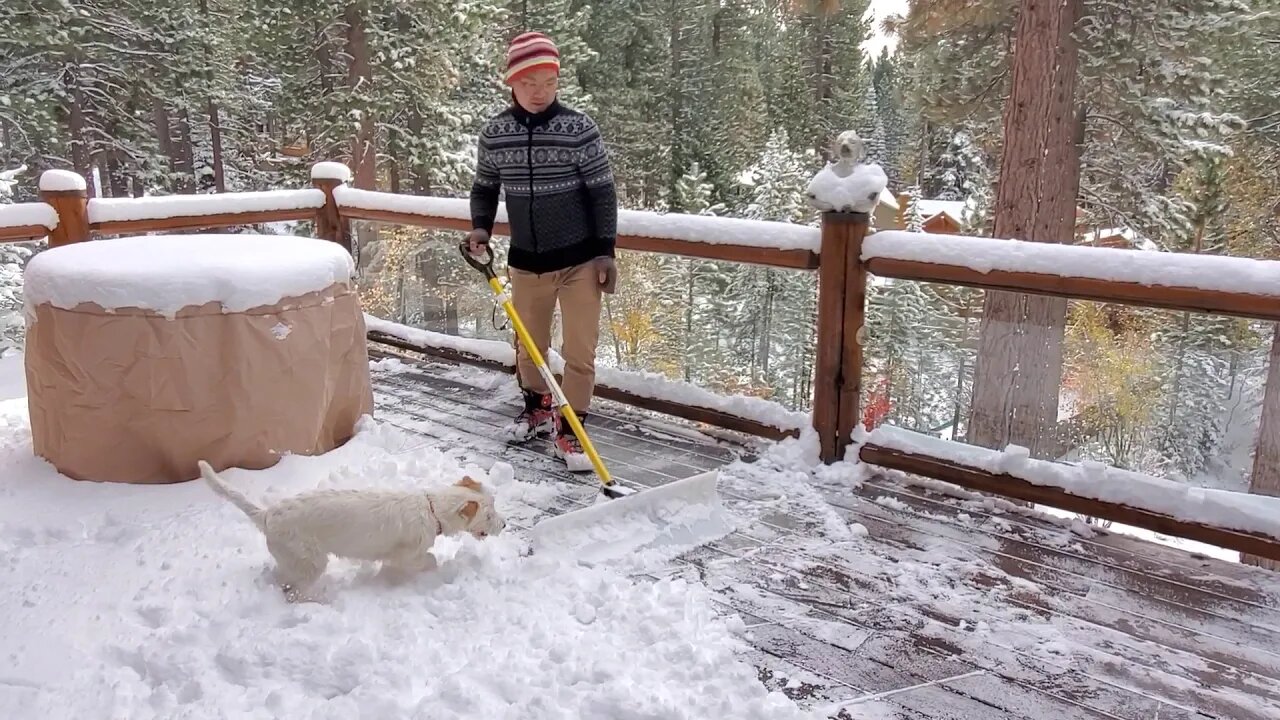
(25, 221)
(638, 384)
(1161, 505)
(166, 207)
(634, 226)
(1244, 287)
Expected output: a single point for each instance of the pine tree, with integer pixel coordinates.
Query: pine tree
(1196, 352)
(889, 101)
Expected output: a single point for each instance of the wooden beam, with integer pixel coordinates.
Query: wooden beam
(855, 226)
(771, 257)
(1013, 487)
(688, 412)
(751, 255)
(22, 233)
(453, 356)
(1218, 302)
(196, 222)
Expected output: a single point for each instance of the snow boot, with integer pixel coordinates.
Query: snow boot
(567, 447)
(538, 418)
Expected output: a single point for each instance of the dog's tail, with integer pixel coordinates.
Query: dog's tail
(246, 506)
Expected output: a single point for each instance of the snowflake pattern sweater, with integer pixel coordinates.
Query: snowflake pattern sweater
(554, 170)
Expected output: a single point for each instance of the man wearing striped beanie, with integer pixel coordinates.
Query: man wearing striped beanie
(550, 161)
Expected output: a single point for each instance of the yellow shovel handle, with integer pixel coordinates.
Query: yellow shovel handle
(569, 414)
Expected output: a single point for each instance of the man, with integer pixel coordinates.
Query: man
(562, 209)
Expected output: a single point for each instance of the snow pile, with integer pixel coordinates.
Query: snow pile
(62, 181)
(13, 377)
(154, 602)
(1218, 508)
(781, 482)
(160, 207)
(1205, 272)
(643, 384)
(847, 189)
(331, 171)
(166, 273)
(32, 213)
(634, 223)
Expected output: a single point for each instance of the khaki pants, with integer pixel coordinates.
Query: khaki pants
(578, 291)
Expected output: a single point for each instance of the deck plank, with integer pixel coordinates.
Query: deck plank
(944, 608)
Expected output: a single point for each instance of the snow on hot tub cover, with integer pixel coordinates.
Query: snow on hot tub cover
(165, 273)
(147, 354)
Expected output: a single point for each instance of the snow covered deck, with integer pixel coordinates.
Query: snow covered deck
(866, 598)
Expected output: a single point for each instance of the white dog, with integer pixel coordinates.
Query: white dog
(397, 528)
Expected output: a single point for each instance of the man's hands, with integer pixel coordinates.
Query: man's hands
(477, 242)
(606, 273)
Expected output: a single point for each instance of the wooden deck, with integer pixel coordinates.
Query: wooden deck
(885, 600)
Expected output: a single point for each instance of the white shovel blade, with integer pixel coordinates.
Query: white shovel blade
(677, 517)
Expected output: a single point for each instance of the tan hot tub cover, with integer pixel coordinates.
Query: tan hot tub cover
(139, 394)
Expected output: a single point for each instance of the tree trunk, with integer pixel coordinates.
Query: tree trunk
(393, 153)
(75, 121)
(185, 166)
(215, 136)
(417, 174)
(676, 99)
(1266, 457)
(364, 143)
(1018, 373)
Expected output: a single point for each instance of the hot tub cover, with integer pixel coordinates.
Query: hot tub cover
(146, 354)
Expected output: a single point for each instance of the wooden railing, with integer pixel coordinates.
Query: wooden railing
(844, 256)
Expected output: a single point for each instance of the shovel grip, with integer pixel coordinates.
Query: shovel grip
(483, 264)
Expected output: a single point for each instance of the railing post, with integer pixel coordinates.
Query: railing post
(1266, 457)
(841, 296)
(329, 176)
(68, 194)
(854, 226)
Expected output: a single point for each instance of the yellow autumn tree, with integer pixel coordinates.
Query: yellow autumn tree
(1110, 368)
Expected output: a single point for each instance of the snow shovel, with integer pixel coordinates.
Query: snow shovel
(684, 513)
(610, 487)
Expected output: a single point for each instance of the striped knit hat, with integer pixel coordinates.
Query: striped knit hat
(528, 51)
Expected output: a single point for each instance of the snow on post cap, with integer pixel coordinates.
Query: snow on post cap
(850, 184)
(329, 170)
(62, 181)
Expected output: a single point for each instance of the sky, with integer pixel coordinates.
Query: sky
(876, 11)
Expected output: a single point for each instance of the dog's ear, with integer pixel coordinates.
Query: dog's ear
(468, 483)
(469, 510)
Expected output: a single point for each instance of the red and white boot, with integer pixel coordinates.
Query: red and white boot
(567, 447)
(537, 419)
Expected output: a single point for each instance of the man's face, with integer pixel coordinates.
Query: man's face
(536, 89)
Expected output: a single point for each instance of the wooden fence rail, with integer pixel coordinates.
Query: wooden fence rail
(845, 256)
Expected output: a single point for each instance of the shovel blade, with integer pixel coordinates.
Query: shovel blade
(670, 519)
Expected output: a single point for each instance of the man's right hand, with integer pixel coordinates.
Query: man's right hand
(477, 242)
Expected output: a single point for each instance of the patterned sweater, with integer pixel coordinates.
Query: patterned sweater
(560, 196)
